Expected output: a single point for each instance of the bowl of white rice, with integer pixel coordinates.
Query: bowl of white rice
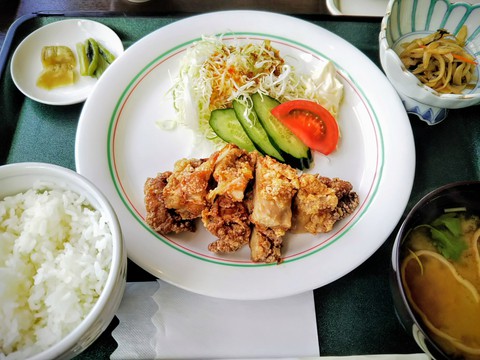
(62, 262)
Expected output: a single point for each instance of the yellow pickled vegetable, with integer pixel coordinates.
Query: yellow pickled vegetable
(58, 67)
(55, 55)
(55, 76)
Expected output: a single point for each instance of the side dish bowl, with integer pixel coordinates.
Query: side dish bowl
(406, 20)
(452, 196)
(56, 267)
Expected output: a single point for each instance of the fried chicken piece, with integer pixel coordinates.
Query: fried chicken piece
(233, 171)
(313, 205)
(229, 221)
(265, 245)
(275, 186)
(320, 203)
(347, 198)
(346, 205)
(226, 214)
(158, 217)
(341, 187)
(187, 187)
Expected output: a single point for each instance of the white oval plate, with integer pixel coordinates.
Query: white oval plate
(119, 145)
(26, 63)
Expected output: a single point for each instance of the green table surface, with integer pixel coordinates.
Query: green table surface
(354, 314)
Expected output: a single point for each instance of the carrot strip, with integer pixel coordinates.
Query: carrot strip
(464, 59)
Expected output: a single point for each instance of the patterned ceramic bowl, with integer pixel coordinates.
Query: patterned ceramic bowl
(406, 20)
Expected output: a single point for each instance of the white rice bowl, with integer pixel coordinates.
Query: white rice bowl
(56, 254)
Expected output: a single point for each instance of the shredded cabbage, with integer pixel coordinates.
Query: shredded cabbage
(212, 74)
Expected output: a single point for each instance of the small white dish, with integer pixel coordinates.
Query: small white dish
(357, 8)
(26, 63)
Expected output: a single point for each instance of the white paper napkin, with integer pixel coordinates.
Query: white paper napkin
(135, 333)
(161, 321)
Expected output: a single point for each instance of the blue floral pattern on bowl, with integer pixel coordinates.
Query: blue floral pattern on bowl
(430, 114)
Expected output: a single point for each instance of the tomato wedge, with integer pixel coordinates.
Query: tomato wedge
(311, 123)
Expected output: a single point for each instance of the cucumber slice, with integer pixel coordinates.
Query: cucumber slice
(227, 127)
(255, 131)
(295, 152)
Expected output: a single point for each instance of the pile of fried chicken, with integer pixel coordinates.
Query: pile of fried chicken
(245, 198)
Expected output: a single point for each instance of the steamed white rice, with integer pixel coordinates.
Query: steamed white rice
(55, 254)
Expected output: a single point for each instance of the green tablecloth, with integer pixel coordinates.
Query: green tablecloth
(355, 314)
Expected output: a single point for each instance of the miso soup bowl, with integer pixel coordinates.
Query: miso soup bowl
(453, 195)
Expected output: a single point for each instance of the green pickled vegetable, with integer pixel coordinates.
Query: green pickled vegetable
(101, 66)
(94, 58)
(107, 55)
(93, 55)
(82, 59)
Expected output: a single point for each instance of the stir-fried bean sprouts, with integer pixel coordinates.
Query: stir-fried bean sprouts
(441, 62)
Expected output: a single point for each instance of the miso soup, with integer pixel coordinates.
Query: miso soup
(440, 272)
